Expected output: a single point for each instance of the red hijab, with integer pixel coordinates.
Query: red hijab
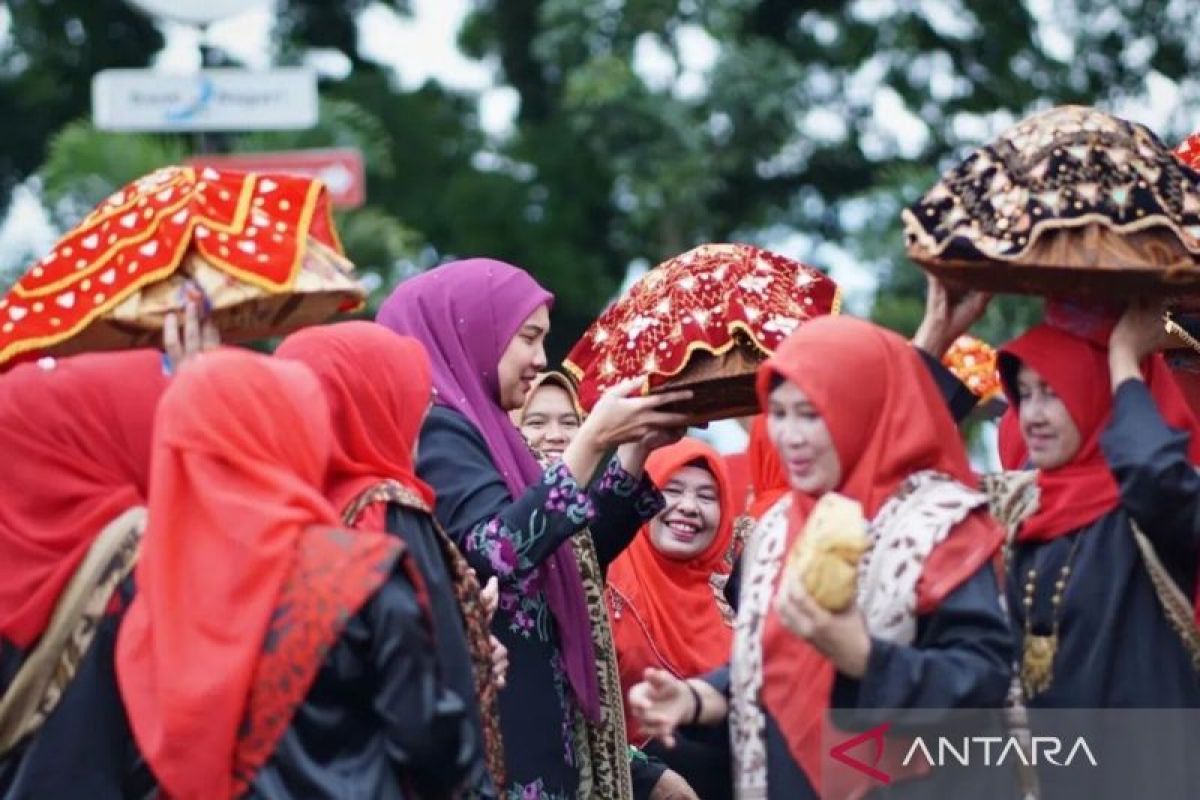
(1188, 381)
(240, 450)
(75, 438)
(378, 385)
(1082, 491)
(767, 477)
(887, 421)
(664, 612)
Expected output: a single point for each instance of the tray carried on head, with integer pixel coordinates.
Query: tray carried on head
(704, 321)
(258, 252)
(1070, 202)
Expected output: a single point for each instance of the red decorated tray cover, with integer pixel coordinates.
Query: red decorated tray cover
(1071, 201)
(705, 300)
(1189, 151)
(254, 229)
(973, 361)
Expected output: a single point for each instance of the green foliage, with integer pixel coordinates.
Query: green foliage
(85, 165)
(46, 64)
(823, 117)
(378, 243)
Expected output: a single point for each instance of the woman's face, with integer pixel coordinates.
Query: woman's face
(1051, 436)
(687, 526)
(802, 440)
(523, 359)
(550, 421)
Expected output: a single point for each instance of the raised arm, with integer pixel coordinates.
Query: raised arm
(498, 534)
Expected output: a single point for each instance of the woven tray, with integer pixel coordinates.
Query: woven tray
(722, 385)
(1089, 263)
(241, 311)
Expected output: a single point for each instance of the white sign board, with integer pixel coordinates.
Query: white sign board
(195, 12)
(211, 100)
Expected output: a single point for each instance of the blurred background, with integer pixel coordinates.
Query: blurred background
(587, 140)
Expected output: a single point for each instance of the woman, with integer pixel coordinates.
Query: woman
(484, 323)
(269, 652)
(932, 636)
(550, 416)
(549, 421)
(376, 418)
(75, 434)
(1115, 446)
(666, 597)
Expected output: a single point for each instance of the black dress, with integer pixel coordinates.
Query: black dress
(509, 538)
(1116, 647)
(702, 755)
(379, 721)
(960, 659)
(452, 652)
(86, 742)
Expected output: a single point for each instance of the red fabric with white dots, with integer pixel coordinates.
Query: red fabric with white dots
(253, 227)
(698, 301)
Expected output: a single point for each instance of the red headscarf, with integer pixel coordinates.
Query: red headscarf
(1083, 490)
(1188, 381)
(378, 385)
(887, 421)
(75, 439)
(767, 476)
(664, 612)
(241, 445)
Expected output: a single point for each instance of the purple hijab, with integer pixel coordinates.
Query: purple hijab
(466, 313)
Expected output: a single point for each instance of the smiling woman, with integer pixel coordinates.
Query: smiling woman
(926, 629)
(688, 525)
(666, 598)
(551, 415)
(1104, 569)
(665, 592)
(527, 524)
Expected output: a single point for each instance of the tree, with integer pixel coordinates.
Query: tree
(46, 65)
(646, 127)
(824, 116)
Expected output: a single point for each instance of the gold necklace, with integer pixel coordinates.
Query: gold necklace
(1038, 651)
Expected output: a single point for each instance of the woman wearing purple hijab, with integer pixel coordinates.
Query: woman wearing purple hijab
(484, 323)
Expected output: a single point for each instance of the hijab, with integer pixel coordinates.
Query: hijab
(378, 387)
(465, 313)
(236, 513)
(887, 421)
(1076, 368)
(665, 612)
(75, 434)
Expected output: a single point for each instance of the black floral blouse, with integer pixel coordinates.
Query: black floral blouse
(510, 538)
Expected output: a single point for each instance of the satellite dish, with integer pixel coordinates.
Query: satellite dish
(194, 12)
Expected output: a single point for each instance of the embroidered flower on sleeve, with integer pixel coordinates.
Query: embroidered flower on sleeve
(616, 480)
(565, 497)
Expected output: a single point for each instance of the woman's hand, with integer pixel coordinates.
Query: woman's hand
(842, 637)
(489, 598)
(660, 704)
(672, 786)
(1139, 332)
(947, 316)
(623, 416)
(499, 662)
(196, 337)
(620, 418)
(633, 455)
